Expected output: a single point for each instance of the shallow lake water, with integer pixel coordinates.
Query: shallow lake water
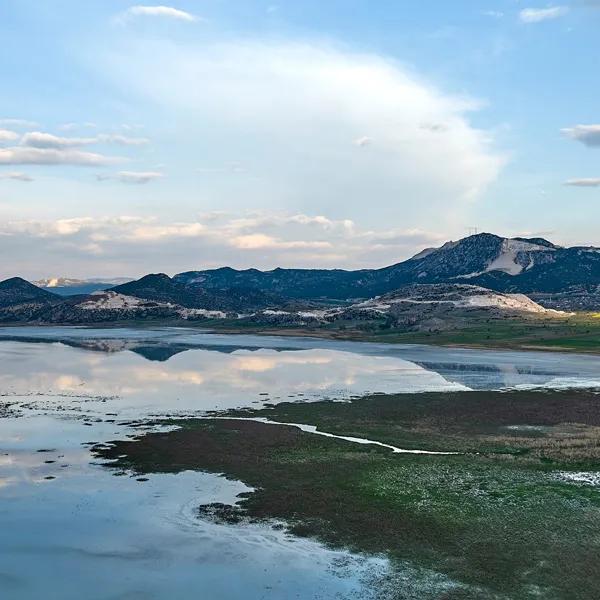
(70, 528)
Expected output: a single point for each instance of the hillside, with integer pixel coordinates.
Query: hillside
(422, 307)
(161, 288)
(519, 265)
(158, 287)
(110, 307)
(17, 291)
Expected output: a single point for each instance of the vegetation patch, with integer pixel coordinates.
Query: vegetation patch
(572, 333)
(501, 520)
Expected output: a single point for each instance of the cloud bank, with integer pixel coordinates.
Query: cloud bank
(537, 15)
(122, 244)
(20, 155)
(159, 11)
(136, 177)
(296, 113)
(16, 175)
(586, 134)
(584, 182)
(43, 148)
(8, 136)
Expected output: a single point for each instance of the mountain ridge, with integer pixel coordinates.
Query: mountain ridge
(512, 265)
(557, 277)
(17, 290)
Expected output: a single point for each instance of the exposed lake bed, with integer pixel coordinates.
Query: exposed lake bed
(313, 517)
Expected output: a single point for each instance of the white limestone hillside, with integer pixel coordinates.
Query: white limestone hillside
(457, 296)
(114, 301)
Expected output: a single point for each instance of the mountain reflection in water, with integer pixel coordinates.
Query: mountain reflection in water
(358, 367)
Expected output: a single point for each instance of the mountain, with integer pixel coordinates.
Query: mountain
(17, 291)
(110, 307)
(551, 276)
(290, 283)
(515, 265)
(454, 296)
(161, 288)
(157, 298)
(420, 307)
(158, 287)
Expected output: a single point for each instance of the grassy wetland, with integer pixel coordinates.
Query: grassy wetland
(514, 514)
(576, 332)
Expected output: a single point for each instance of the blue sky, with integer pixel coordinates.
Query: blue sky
(137, 138)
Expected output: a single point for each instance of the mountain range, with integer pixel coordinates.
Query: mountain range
(482, 266)
(532, 266)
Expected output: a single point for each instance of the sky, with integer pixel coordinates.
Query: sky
(140, 138)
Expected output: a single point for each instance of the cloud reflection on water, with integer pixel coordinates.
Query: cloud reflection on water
(204, 379)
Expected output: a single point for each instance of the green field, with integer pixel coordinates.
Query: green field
(577, 333)
(501, 519)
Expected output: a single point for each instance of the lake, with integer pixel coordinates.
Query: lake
(69, 524)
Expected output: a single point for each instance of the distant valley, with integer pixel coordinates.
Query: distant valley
(65, 286)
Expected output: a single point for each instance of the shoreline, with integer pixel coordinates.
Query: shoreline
(388, 338)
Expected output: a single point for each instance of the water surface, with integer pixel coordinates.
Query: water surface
(70, 525)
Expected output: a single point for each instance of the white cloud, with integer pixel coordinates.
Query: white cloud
(22, 155)
(73, 226)
(16, 175)
(495, 14)
(363, 141)
(19, 123)
(300, 103)
(263, 240)
(72, 126)
(42, 148)
(584, 182)
(153, 232)
(8, 136)
(250, 222)
(536, 15)
(122, 140)
(434, 127)
(38, 139)
(136, 177)
(586, 134)
(160, 11)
